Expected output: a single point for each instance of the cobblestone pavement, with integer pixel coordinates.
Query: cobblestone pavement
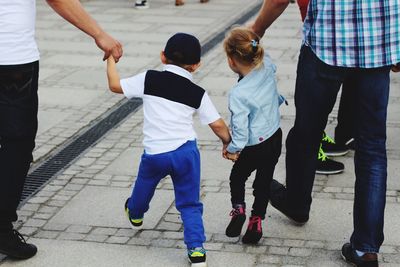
(77, 219)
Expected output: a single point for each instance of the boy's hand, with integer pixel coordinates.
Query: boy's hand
(396, 68)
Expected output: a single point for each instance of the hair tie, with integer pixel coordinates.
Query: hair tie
(254, 44)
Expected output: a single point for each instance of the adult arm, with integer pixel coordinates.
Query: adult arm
(270, 11)
(74, 13)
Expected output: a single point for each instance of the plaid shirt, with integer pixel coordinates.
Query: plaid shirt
(354, 33)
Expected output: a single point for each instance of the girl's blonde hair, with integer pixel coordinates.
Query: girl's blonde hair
(243, 45)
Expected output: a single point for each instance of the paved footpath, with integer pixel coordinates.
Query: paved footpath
(77, 219)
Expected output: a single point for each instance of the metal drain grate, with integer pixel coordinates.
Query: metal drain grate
(41, 175)
(48, 169)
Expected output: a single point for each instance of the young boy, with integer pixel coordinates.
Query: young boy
(170, 98)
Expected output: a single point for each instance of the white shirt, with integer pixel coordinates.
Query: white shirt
(17, 32)
(167, 124)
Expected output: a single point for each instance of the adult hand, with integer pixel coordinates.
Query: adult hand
(109, 45)
(396, 68)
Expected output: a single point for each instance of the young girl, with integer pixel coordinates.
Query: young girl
(256, 134)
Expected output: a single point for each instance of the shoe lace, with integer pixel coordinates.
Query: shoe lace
(255, 220)
(327, 138)
(17, 234)
(236, 211)
(321, 154)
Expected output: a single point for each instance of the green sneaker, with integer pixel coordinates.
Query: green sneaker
(136, 224)
(327, 166)
(197, 257)
(333, 149)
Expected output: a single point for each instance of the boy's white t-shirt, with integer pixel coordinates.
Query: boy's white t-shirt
(17, 32)
(167, 124)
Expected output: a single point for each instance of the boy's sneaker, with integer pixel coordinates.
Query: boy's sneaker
(254, 231)
(367, 260)
(197, 257)
(238, 215)
(136, 224)
(141, 4)
(327, 166)
(13, 244)
(331, 148)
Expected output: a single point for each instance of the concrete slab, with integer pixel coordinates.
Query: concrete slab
(72, 253)
(67, 97)
(127, 163)
(48, 119)
(103, 206)
(329, 220)
(214, 167)
(87, 78)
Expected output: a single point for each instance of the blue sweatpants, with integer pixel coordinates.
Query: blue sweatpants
(183, 165)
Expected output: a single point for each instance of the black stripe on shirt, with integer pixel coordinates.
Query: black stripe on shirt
(173, 87)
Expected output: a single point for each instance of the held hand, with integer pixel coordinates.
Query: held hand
(224, 152)
(109, 45)
(233, 157)
(396, 68)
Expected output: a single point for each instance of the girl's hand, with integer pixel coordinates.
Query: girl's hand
(233, 156)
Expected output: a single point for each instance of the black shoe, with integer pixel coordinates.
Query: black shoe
(254, 231)
(333, 149)
(327, 166)
(278, 201)
(367, 260)
(238, 215)
(141, 4)
(14, 246)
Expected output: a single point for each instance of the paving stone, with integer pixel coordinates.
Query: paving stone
(164, 243)
(35, 223)
(104, 207)
(104, 231)
(278, 250)
(169, 226)
(147, 234)
(117, 239)
(300, 252)
(96, 238)
(82, 229)
(71, 236)
(47, 234)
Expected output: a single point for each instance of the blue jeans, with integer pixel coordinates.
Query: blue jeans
(18, 126)
(183, 165)
(317, 86)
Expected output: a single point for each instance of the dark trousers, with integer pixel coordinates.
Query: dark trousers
(317, 86)
(18, 127)
(262, 158)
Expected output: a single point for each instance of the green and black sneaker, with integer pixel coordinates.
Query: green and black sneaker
(327, 166)
(332, 148)
(197, 257)
(136, 224)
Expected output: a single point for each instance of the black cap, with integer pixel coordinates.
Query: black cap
(183, 48)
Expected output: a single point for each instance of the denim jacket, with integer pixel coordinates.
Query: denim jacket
(254, 105)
